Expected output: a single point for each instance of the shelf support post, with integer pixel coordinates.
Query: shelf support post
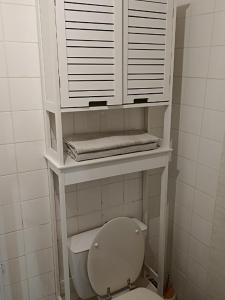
(163, 231)
(63, 219)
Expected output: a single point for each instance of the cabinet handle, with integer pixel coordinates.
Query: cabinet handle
(140, 100)
(97, 103)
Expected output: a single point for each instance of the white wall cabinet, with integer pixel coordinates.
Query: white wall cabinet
(111, 52)
(100, 56)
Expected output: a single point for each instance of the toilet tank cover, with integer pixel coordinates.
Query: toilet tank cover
(116, 256)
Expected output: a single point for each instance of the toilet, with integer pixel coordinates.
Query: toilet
(106, 261)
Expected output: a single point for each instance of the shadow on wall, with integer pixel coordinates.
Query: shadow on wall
(173, 168)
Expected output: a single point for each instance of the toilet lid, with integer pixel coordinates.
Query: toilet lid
(140, 294)
(116, 255)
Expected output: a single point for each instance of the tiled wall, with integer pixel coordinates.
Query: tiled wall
(91, 204)
(198, 134)
(25, 231)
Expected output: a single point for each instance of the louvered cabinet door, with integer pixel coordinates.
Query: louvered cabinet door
(90, 52)
(147, 50)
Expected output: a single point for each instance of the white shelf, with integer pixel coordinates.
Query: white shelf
(110, 107)
(77, 172)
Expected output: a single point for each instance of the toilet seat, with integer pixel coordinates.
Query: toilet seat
(140, 294)
(116, 256)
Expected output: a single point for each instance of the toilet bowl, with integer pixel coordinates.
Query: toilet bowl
(108, 260)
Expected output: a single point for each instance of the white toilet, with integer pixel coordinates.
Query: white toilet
(107, 261)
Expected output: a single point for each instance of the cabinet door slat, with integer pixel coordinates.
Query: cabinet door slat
(147, 26)
(92, 33)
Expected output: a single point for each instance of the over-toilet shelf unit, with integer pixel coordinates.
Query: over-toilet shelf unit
(104, 55)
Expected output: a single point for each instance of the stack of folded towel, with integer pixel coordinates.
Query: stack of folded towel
(98, 145)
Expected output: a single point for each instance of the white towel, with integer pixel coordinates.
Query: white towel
(113, 152)
(98, 145)
(86, 143)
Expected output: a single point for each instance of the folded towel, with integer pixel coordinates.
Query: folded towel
(89, 143)
(113, 152)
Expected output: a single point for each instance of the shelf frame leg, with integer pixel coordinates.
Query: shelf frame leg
(63, 218)
(163, 232)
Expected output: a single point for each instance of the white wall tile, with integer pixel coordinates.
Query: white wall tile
(184, 195)
(37, 238)
(200, 30)
(193, 91)
(24, 132)
(22, 59)
(133, 190)
(11, 219)
(215, 94)
(9, 189)
(113, 212)
(133, 210)
(17, 291)
(89, 200)
(7, 159)
(213, 126)
(36, 212)
(219, 5)
(201, 229)
(5, 97)
(201, 6)
(181, 239)
(188, 145)
(3, 67)
(6, 133)
(19, 23)
(12, 245)
(29, 156)
(89, 221)
(219, 23)
(112, 194)
(217, 63)
(197, 274)
(39, 262)
(15, 270)
(204, 206)
(33, 184)
(183, 217)
(210, 153)
(25, 93)
(190, 119)
(186, 171)
(41, 286)
(180, 260)
(207, 179)
(195, 62)
(199, 251)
